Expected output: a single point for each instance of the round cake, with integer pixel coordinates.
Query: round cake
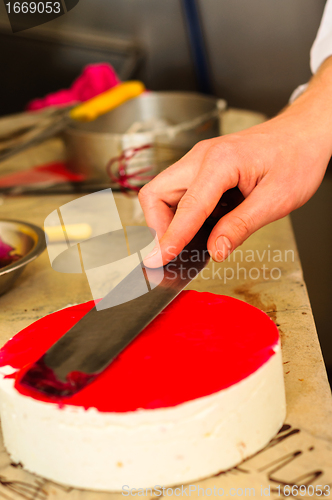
(198, 391)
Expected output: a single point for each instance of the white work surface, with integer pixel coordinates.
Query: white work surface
(302, 452)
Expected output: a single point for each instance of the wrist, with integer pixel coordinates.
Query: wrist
(311, 113)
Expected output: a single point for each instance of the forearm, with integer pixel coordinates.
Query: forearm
(311, 113)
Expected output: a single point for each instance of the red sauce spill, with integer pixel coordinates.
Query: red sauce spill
(201, 343)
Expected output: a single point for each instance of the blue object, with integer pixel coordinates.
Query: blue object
(197, 45)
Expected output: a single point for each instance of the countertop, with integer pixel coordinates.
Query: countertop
(265, 272)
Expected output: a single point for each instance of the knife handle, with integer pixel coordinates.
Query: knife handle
(229, 200)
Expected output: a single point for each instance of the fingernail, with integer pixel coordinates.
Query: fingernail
(152, 253)
(154, 258)
(223, 246)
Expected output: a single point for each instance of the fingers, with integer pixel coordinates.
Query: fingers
(163, 193)
(258, 209)
(158, 213)
(193, 209)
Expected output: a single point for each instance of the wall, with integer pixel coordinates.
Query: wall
(258, 49)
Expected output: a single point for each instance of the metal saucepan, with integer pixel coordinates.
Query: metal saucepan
(46, 125)
(168, 123)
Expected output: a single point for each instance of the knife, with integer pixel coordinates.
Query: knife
(89, 347)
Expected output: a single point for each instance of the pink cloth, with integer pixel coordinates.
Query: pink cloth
(95, 79)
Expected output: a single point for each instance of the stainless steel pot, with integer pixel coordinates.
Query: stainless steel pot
(169, 122)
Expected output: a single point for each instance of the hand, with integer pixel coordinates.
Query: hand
(277, 166)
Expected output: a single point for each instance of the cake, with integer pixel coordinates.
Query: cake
(198, 391)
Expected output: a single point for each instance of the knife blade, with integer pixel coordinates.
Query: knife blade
(80, 355)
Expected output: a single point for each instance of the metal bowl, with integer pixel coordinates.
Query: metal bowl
(28, 240)
(190, 117)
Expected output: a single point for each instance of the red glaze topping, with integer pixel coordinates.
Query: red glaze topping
(201, 343)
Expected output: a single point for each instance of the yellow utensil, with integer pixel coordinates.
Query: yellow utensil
(105, 102)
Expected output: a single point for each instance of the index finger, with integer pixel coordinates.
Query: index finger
(193, 209)
(160, 196)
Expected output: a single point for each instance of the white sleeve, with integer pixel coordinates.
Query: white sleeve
(322, 47)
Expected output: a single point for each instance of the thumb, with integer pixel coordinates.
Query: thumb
(260, 208)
